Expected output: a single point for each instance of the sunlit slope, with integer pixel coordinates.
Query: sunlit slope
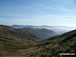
(65, 43)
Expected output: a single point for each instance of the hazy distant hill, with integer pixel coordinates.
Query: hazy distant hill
(41, 32)
(22, 26)
(44, 31)
(57, 29)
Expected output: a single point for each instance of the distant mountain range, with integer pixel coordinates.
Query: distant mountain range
(54, 28)
(41, 32)
(45, 31)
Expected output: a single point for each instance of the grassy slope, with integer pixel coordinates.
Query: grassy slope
(52, 47)
(13, 40)
(13, 46)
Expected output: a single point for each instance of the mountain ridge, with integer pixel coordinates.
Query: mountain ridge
(41, 33)
(57, 29)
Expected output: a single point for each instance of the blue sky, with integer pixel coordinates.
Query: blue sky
(38, 12)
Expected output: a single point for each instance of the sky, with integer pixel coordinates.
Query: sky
(38, 12)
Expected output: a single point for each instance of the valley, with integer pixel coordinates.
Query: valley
(22, 43)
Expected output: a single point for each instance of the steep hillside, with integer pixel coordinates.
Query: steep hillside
(41, 33)
(52, 47)
(57, 29)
